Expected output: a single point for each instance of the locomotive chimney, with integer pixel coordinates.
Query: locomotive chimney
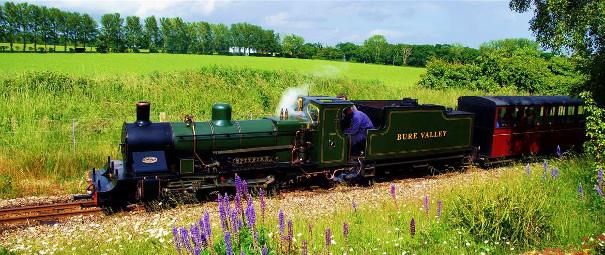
(143, 114)
(221, 114)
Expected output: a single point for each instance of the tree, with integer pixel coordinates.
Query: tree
(54, 17)
(133, 33)
(292, 44)
(73, 27)
(88, 29)
(111, 32)
(348, 50)
(151, 36)
(63, 28)
(34, 24)
(11, 18)
(220, 37)
(576, 27)
(22, 22)
(375, 48)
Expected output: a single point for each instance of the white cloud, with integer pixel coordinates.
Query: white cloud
(285, 20)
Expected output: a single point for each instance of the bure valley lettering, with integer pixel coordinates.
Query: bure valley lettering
(421, 135)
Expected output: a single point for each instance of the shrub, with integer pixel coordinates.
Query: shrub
(595, 129)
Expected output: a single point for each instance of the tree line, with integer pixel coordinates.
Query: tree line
(24, 24)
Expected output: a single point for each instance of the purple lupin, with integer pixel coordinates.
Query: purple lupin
(263, 204)
(228, 247)
(425, 204)
(354, 205)
(600, 176)
(207, 226)
(250, 213)
(545, 166)
(282, 223)
(290, 233)
(412, 228)
(554, 172)
(222, 212)
(265, 250)
(177, 239)
(558, 151)
(237, 200)
(528, 170)
(234, 222)
(328, 237)
(393, 192)
(439, 208)
(185, 240)
(581, 191)
(345, 230)
(238, 184)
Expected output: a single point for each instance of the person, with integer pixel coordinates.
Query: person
(360, 123)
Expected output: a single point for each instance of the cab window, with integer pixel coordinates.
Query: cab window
(504, 117)
(313, 113)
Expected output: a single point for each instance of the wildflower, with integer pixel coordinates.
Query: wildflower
(345, 230)
(412, 227)
(545, 166)
(234, 222)
(304, 249)
(599, 191)
(600, 176)
(176, 239)
(554, 172)
(222, 212)
(241, 252)
(581, 191)
(244, 188)
(185, 240)
(238, 184)
(527, 170)
(195, 235)
(439, 208)
(393, 194)
(425, 204)
(310, 228)
(197, 251)
(263, 205)
(237, 200)
(228, 247)
(207, 227)
(558, 151)
(250, 213)
(281, 222)
(265, 250)
(354, 205)
(328, 237)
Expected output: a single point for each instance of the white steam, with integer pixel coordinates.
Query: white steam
(289, 98)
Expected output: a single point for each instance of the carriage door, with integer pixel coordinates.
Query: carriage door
(335, 144)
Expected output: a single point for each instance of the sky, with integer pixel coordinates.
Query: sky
(469, 23)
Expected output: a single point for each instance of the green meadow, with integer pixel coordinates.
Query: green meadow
(132, 63)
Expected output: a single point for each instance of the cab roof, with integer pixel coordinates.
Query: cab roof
(327, 100)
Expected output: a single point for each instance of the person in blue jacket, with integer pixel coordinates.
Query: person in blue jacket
(357, 130)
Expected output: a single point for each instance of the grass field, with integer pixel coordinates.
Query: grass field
(62, 113)
(131, 63)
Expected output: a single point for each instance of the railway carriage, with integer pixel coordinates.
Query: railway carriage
(511, 126)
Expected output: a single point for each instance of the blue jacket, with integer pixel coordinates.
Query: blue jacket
(360, 122)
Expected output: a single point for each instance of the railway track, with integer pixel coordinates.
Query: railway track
(28, 215)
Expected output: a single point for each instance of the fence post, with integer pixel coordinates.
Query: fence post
(73, 134)
(162, 116)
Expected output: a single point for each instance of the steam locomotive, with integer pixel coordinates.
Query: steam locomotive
(308, 141)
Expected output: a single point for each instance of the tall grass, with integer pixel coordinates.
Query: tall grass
(40, 109)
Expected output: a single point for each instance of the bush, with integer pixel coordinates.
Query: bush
(525, 69)
(595, 129)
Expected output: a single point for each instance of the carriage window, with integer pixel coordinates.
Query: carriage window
(580, 110)
(571, 114)
(516, 115)
(541, 116)
(530, 116)
(504, 118)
